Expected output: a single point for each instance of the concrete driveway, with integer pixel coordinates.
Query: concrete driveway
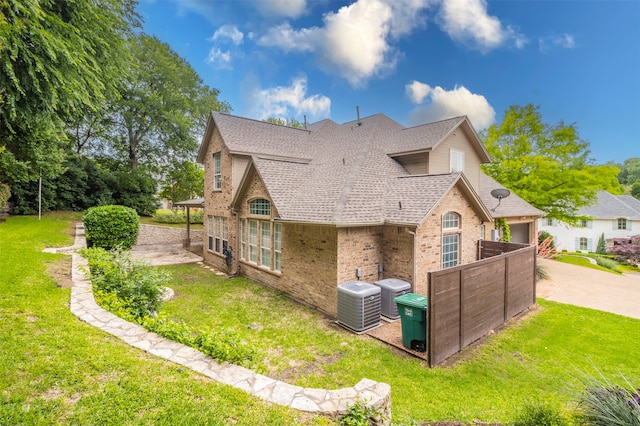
(590, 288)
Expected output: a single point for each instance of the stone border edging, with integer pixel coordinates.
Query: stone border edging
(330, 403)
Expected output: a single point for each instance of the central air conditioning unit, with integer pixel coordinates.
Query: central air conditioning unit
(392, 288)
(358, 305)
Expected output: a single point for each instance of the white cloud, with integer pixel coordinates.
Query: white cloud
(230, 32)
(450, 103)
(282, 8)
(219, 59)
(468, 22)
(565, 41)
(354, 42)
(417, 91)
(289, 101)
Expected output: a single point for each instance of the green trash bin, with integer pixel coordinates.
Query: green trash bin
(412, 308)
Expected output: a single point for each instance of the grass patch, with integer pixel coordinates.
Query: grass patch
(150, 221)
(541, 356)
(582, 261)
(56, 369)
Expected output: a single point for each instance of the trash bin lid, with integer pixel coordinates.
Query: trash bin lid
(412, 299)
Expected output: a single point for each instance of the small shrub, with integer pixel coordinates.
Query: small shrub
(539, 414)
(111, 227)
(223, 345)
(136, 284)
(359, 414)
(541, 273)
(606, 263)
(606, 403)
(5, 194)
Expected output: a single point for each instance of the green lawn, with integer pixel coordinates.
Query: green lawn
(584, 262)
(56, 369)
(538, 359)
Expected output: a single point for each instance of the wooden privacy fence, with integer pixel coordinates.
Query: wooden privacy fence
(466, 302)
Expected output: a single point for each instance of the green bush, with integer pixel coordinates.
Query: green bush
(138, 286)
(5, 194)
(539, 414)
(359, 414)
(169, 216)
(606, 263)
(224, 345)
(111, 227)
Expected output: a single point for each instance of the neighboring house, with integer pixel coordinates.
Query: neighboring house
(304, 210)
(615, 216)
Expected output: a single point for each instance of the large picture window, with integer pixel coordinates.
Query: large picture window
(261, 243)
(217, 171)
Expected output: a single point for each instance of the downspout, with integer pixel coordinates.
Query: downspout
(413, 254)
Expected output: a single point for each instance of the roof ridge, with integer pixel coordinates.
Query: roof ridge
(458, 118)
(255, 120)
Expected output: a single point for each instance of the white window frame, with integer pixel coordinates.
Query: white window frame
(253, 241)
(265, 244)
(210, 233)
(243, 239)
(450, 250)
(277, 247)
(217, 171)
(260, 207)
(450, 220)
(456, 161)
(622, 224)
(220, 234)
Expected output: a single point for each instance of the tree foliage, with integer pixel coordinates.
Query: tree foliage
(547, 165)
(630, 171)
(57, 58)
(161, 109)
(183, 181)
(289, 122)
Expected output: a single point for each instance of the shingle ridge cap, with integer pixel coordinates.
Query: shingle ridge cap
(428, 175)
(281, 160)
(459, 118)
(255, 120)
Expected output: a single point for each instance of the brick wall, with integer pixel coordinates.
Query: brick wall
(397, 250)
(429, 237)
(359, 248)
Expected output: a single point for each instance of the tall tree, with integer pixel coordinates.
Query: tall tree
(162, 109)
(56, 59)
(547, 165)
(183, 181)
(289, 122)
(630, 171)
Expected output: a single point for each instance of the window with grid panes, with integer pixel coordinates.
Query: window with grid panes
(265, 244)
(277, 246)
(217, 171)
(243, 239)
(260, 206)
(450, 244)
(253, 241)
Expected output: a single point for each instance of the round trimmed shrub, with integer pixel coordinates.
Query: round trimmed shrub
(111, 227)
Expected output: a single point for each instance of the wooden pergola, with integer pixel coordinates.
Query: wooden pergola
(194, 203)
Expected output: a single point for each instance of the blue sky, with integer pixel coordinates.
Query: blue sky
(418, 61)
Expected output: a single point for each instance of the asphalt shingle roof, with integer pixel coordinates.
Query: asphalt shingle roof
(342, 173)
(609, 206)
(510, 206)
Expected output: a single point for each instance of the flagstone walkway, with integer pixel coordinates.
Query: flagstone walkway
(330, 403)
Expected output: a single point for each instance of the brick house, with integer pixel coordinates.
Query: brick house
(304, 210)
